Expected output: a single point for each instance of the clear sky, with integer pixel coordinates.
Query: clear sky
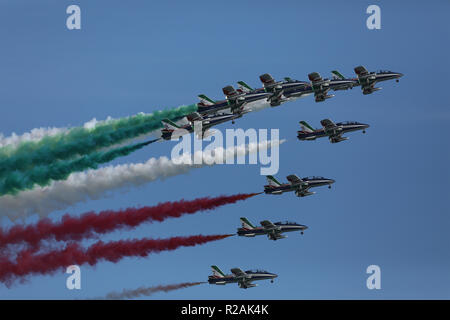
(389, 205)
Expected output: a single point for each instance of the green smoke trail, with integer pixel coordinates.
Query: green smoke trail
(80, 141)
(42, 175)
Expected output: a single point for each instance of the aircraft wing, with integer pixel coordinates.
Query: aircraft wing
(320, 86)
(366, 79)
(303, 193)
(327, 124)
(361, 71)
(368, 87)
(268, 225)
(293, 179)
(335, 133)
(244, 284)
(230, 93)
(267, 79)
(276, 236)
(194, 116)
(238, 272)
(236, 99)
(315, 77)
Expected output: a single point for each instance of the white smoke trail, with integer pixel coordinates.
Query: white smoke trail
(257, 105)
(148, 291)
(34, 135)
(95, 184)
(38, 133)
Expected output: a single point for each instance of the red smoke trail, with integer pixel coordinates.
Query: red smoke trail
(91, 223)
(28, 263)
(148, 291)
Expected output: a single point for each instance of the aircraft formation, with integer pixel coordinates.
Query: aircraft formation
(33, 165)
(238, 101)
(273, 93)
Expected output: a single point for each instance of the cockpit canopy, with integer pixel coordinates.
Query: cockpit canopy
(313, 178)
(384, 71)
(290, 80)
(286, 223)
(256, 271)
(347, 123)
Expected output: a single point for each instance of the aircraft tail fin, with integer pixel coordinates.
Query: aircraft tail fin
(244, 87)
(170, 124)
(337, 75)
(272, 181)
(246, 224)
(205, 100)
(217, 272)
(305, 126)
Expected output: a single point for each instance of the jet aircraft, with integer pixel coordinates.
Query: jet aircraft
(272, 230)
(299, 186)
(322, 86)
(367, 80)
(172, 130)
(236, 101)
(333, 131)
(243, 278)
(283, 91)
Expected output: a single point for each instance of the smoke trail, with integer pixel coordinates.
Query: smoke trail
(94, 184)
(81, 141)
(37, 134)
(148, 291)
(90, 224)
(34, 135)
(60, 170)
(27, 263)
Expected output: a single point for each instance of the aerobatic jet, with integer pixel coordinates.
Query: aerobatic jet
(236, 101)
(172, 130)
(367, 80)
(272, 230)
(333, 131)
(243, 278)
(283, 91)
(299, 186)
(322, 86)
(208, 106)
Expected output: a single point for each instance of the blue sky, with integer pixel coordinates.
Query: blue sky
(389, 205)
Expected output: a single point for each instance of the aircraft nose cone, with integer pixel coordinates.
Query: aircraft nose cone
(274, 275)
(399, 75)
(305, 227)
(331, 180)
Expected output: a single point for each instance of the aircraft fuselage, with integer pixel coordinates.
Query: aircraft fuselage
(340, 129)
(305, 185)
(255, 276)
(207, 123)
(281, 228)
